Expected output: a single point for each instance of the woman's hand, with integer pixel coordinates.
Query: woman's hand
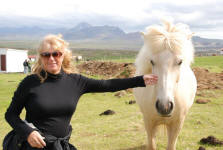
(36, 140)
(150, 79)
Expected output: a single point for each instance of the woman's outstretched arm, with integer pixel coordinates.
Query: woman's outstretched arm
(112, 85)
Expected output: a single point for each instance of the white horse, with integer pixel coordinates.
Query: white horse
(168, 53)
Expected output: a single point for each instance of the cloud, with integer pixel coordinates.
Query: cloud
(203, 16)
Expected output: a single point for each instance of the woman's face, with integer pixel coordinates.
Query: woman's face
(52, 60)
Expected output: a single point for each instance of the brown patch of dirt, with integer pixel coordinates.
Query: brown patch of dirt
(211, 140)
(207, 93)
(107, 69)
(208, 80)
(202, 101)
(205, 79)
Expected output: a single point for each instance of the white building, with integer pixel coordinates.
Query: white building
(11, 60)
(221, 52)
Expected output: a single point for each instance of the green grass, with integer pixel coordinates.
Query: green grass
(125, 129)
(107, 55)
(212, 63)
(8, 84)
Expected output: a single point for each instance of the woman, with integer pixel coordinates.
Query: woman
(51, 93)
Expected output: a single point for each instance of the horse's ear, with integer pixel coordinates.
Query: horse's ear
(190, 36)
(142, 35)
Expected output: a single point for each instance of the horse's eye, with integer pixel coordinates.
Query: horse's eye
(152, 62)
(180, 62)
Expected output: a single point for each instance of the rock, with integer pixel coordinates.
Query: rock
(201, 148)
(202, 101)
(107, 112)
(131, 102)
(211, 140)
(119, 94)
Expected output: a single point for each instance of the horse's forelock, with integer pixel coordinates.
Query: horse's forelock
(167, 37)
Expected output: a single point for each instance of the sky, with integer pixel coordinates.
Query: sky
(203, 16)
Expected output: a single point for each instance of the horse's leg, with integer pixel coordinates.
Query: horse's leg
(173, 130)
(151, 132)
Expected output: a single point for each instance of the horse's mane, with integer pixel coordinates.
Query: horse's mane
(157, 38)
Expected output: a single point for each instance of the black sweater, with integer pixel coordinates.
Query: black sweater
(51, 104)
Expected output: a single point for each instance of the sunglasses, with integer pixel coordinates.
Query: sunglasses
(48, 55)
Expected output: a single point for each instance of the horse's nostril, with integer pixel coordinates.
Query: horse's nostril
(164, 109)
(157, 104)
(170, 106)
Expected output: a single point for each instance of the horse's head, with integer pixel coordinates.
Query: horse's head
(167, 66)
(166, 50)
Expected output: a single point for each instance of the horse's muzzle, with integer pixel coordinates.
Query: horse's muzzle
(164, 109)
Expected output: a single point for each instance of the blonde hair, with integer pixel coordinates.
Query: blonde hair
(169, 36)
(57, 43)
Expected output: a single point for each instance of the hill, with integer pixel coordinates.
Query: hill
(85, 35)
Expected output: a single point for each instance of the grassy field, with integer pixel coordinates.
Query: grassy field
(213, 64)
(125, 129)
(105, 55)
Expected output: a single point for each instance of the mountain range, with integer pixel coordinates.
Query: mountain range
(85, 32)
